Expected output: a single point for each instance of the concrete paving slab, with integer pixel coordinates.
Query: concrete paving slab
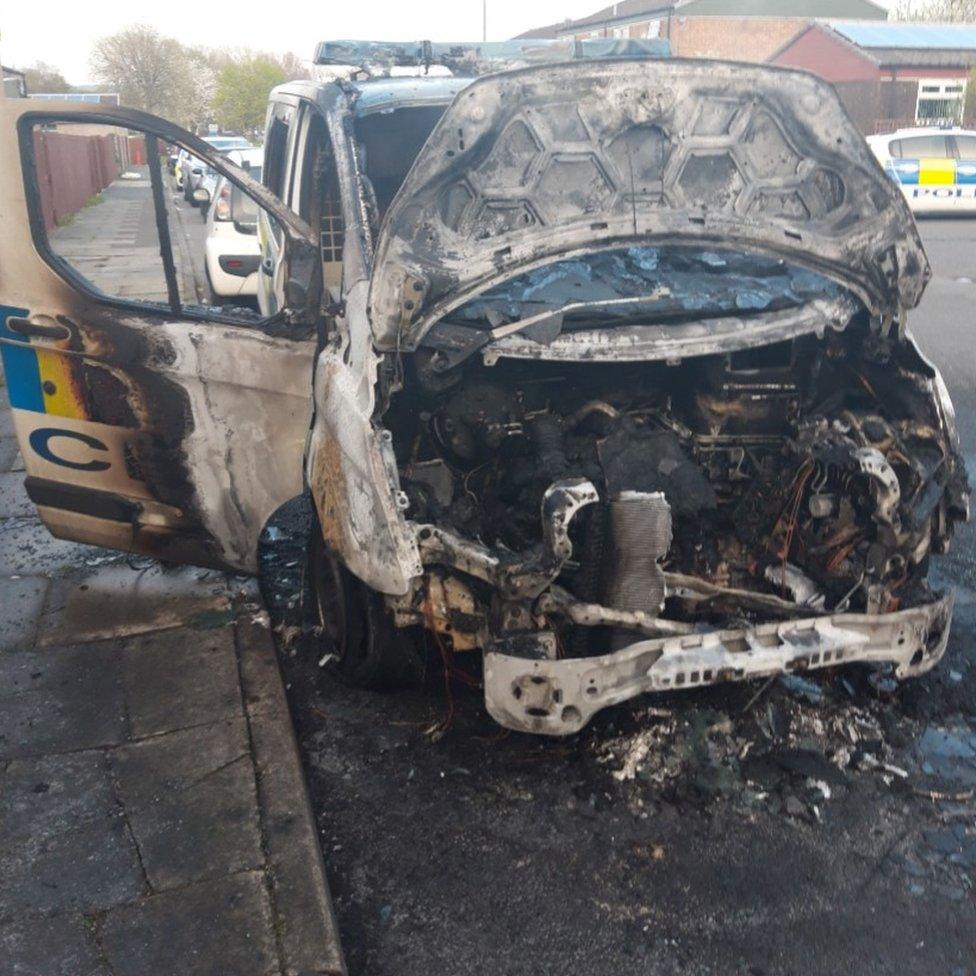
(66, 670)
(59, 946)
(35, 723)
(90, 868)
(28, 549)
(6, 418)
(112, 601)
(146, 770)
(46, 796)
(217, 928)
(190, 799)
(60, 700)
(22, 600)
(209, 830)
(9, 450)
(14, 502)
(162, 679)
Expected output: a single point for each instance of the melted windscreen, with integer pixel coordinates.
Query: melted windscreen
(680, 284)
(389, 142)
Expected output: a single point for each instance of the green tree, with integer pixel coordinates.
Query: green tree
(241, 94)
(42, 77)
(942, 11)
(155, 73)
(969, 106)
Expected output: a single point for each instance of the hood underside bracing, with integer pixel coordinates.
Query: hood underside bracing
(543, 164)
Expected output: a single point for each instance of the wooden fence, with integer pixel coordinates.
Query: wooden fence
(72, 168)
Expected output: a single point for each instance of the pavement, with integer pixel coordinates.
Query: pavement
(114, 243)
(153, 814)
(806, 828)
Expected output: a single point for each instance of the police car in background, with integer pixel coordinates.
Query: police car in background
(935, 168)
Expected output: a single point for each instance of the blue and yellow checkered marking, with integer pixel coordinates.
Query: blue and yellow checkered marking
(37, 377)
(20, 365)
(937, 171)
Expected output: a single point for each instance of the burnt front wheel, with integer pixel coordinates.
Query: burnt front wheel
(355, 624)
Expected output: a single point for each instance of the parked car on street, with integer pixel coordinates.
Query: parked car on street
(244, 158)
(182, 158)
(934, 167)
(232, 250)
(194, 169)
(599, 367)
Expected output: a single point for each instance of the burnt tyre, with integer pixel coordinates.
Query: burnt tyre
(355, 625)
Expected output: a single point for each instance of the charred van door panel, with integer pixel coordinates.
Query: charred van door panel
(170, 431)
(529, 166)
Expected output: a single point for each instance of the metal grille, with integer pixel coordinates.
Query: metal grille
(331, 228)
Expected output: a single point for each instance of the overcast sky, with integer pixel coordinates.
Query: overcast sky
(62, 32)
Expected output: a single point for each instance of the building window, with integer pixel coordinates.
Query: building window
(939, 101)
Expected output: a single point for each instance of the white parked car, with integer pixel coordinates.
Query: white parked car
(183, 158)
(935, 168)
(193, 170)
(232, 249)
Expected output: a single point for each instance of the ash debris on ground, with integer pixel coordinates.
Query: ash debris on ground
(732, 830)
(791, 749)
(795, 746)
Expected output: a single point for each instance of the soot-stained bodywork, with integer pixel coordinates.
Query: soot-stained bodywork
(173, 431)
(644, 386)
(613, 384)
(553, 161)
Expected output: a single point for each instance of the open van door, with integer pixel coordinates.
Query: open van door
(149, 419)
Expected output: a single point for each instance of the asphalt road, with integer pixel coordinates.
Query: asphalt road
(945, 326)
(810, 830)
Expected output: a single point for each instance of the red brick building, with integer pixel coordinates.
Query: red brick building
(740, 30)
(889, 75)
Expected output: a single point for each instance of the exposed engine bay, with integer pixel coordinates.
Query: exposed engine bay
(594, 503)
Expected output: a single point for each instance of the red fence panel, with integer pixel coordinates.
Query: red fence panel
(137, 151)
(71, 169)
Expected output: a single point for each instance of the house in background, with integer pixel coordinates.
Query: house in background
(889, 75)
(740, 30)
(14, 82)
(83, 94)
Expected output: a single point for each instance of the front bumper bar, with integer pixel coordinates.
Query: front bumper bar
(553, 697)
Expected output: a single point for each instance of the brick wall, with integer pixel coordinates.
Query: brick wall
(752, 39)
(827, 55)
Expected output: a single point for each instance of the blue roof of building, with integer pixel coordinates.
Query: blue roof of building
(918, 37)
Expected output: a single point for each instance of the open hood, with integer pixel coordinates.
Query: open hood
(537, 165)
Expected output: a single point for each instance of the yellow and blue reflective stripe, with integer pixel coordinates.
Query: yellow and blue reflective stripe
(37, 379)
(966, 172)
(935, 171)
(20, 365)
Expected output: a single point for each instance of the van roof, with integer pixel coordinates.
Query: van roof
(378, 94)
(479, 56)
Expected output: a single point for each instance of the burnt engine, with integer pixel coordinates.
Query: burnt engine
(812, 474)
